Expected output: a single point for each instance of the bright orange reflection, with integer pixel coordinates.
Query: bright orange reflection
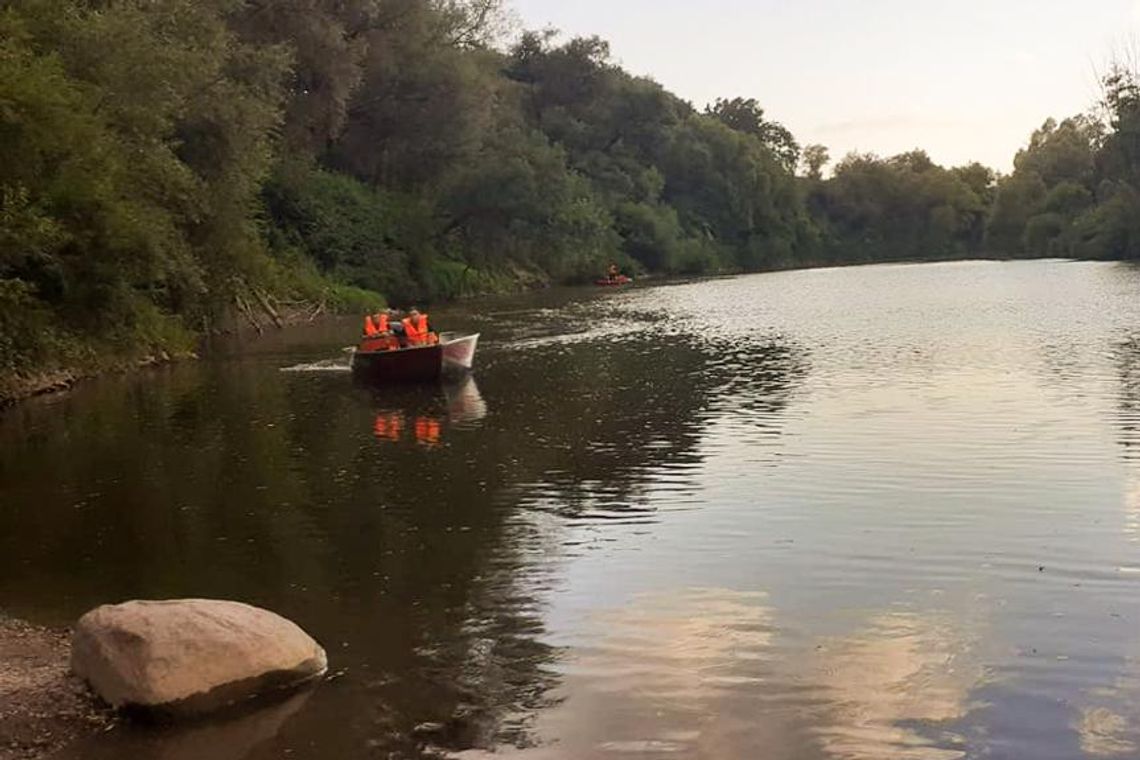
(391, 426)
(388, 426)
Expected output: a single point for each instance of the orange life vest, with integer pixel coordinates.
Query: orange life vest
(416, 332)
(377, 336)
(380, 342)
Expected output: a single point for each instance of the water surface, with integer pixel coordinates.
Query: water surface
(880, 512)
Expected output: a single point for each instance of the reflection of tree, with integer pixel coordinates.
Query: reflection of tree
(421, 568)
(1101, 729)
(636, 414)
(1128, 427)
(1128, 420)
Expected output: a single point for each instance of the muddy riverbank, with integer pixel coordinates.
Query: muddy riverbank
(43, 707)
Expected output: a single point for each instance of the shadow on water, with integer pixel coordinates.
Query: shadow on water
(415, 532)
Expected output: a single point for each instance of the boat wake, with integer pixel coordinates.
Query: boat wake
(327, 365)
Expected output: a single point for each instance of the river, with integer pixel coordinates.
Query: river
(874, 512)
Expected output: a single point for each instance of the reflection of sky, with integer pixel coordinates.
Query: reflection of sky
(702, 673)
(899, 673)
(1104, 733)
(934, 531)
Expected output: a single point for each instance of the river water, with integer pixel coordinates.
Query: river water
(877, 512)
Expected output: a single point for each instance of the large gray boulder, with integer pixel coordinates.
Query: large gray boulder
(190, 655)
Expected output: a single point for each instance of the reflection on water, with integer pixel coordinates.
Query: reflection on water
(226, 738)
(893, 684)
(420, 415)
(704, 673)
(1105, 734)
(464, 404)
(883, 512)
(664, 674)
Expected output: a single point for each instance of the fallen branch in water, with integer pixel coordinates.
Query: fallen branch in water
(317, 311)
(267, 307)
(243, 307)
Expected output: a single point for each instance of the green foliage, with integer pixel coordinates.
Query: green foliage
(520, 200)
(456, 279)
(344, 226)
(814, 158)
(731, 191)
(746, 115)
(1017, 198)
(904, 207)
(1111, 228)
(294, 273)
(1072, 192)
(134, 139)
(651, 235)
(24, 326)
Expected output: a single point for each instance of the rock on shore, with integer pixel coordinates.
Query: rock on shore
(191, 655)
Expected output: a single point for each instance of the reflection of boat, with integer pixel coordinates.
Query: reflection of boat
(464, 404)
(452, 354)
(621, 279)
(391, 427)
(414, 414)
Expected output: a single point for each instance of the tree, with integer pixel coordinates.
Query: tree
(422, 107)
(1035, 209)
(140, 162)
(746, 115)
(327, 51)
(902, 207)
(815, 157)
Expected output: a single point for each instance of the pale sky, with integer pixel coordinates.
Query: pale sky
(964, 79)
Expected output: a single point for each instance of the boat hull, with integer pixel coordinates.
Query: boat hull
(416, 364)
(458, 352)
(454, 354)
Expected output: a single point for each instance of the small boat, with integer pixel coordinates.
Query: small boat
(454, 354)
(621, 279)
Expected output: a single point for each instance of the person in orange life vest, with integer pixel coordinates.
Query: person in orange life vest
(417, 332)
(377, 333)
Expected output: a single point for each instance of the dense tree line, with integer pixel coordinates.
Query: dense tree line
(164, 163)
(1074, 192)
(1074, 188)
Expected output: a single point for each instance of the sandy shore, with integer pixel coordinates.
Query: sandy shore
(42, 706)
